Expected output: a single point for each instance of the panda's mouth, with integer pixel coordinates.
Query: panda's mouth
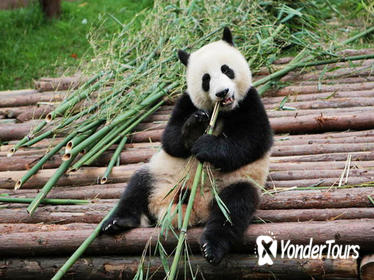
(227, 101)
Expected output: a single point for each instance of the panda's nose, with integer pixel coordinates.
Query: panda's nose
(222, 93)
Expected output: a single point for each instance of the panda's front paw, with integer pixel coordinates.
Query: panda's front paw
(115, 225)
(203, 148)
(194, 127)
(212, 250)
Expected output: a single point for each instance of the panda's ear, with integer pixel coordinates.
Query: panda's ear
(183, 56)
(227, 36)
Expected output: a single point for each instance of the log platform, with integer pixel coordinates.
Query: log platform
(320, 186)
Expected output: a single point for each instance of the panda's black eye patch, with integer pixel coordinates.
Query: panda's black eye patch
(206, 81)
(227, 71)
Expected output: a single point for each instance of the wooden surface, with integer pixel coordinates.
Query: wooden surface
(333, 120)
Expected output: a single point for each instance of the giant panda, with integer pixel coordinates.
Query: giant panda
(237, 152)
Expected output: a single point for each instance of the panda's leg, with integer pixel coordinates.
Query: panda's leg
(133, 203)
(219, 235)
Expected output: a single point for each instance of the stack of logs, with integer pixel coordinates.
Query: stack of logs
(337, 112)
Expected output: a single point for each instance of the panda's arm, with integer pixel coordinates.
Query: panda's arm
(172, 138)
(246, 137)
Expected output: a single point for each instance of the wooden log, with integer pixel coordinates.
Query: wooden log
(147, 136)
(328, 135)
(16, 131)
(322, 173)
(232, 267)
(327, 182)
(308, 199)
(356, 156)
(314, 166)
(61, 83)
(308, 149)
(109, 191)
(318, 123)
(291, 199)
(306, 141)
(325, 96)
(31, 99)
(35, 113)
(26, 228)
(367, 267)
(357, 232)
(329, 103)
(7, 93)
(360, 71)
(95, 212)
(352, 52)
(22, 162)
(347, 80)
(324, 88)
(84, 176)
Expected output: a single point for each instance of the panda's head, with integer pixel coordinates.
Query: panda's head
(217, 72)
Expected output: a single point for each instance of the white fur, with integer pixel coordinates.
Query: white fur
(208, 60)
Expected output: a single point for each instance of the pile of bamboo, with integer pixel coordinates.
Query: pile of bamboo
(320, 185)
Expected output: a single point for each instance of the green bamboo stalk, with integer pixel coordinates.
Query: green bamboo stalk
(43, 160)
(40, 126)
(49, 185)
(358, 36)
(183, 231)
(102, 144)
(53, 201)
(118, 120)
(113, 160)
(81, 249)
(133, 124)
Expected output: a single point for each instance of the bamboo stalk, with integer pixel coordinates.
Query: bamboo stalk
(51, 153)
(115, 157)
(76, 255)
(48, 186)
(183, 230)
(54, 201)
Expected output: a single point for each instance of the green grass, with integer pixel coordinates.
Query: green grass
(32, 47)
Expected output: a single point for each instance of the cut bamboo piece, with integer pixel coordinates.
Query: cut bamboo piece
(56, 242)
(240, 267)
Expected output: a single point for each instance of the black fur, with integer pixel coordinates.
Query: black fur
(133, 203)
(179, 132)
(183, 57)
(219, 235)
(228, 71)
(245, 138)
(227, 36)
(206, 82)
(194, 127)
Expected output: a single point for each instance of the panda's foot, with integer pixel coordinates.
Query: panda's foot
(115, 225)
(212, 250)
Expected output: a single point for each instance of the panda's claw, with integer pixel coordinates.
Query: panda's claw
(117, 225)
(212, 253)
